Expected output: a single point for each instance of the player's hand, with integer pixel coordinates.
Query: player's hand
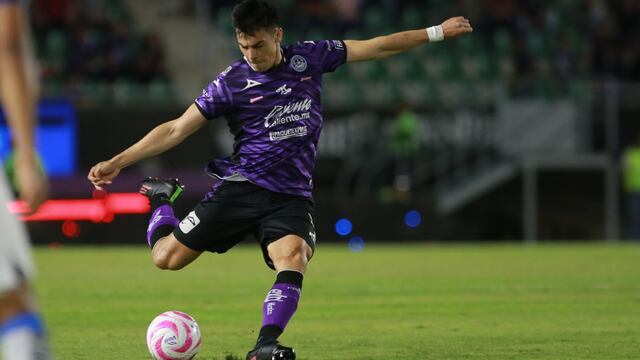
(32, 182)
(456, 26)
(102, 174)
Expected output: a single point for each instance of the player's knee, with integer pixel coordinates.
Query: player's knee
(297, 255)
(165, 261)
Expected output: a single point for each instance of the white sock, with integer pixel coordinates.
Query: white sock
(24, 341)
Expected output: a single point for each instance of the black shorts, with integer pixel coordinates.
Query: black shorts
(239, 209)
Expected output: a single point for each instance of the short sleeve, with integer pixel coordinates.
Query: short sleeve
(215, 100)
(328, 53)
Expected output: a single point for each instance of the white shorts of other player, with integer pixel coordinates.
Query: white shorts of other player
(16, 264)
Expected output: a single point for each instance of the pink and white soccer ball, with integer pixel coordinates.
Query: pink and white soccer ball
(173, 335)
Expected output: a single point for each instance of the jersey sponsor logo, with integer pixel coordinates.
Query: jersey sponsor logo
(298, 63)
(293, 111)
(283, 90)
(305, 78)
(337, 44)
(250, 84)
(189, 223)
(257, 98)
(288, 133)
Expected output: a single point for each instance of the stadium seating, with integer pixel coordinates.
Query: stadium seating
(532, 54)
(92, 51)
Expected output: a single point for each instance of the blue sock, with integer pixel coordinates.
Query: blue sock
(28, 320)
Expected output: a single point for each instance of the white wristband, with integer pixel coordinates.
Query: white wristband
(435, 33)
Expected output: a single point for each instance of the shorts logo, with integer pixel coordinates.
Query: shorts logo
(189, 222)
(312, 233)
(298, 63)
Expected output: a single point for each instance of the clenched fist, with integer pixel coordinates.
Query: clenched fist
(456, 26)
(103, 173)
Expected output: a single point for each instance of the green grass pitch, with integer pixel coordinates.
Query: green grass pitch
(565, 301)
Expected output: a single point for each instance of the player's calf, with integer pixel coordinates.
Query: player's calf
(171, 254)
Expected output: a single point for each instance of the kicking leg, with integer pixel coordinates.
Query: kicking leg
(170, 254)
(167, 252)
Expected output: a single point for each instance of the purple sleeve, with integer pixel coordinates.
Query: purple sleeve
(215, 99)
(329, 53)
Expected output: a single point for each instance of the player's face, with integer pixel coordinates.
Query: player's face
(262, 48)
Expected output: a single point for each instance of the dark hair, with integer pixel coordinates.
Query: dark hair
(250, 16)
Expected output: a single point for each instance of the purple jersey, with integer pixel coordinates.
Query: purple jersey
(275, 116)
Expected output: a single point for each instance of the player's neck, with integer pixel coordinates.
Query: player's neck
(278, 59)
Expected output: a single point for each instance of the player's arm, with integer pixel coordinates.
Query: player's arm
(162, 138)
(384, 46)
(18, 99)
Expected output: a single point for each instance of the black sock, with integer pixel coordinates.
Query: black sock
(290, 277)
(159, 201)
(268, 334)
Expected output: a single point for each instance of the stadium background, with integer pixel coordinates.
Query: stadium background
(514, 132)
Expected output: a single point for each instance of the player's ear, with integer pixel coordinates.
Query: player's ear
(278, 34)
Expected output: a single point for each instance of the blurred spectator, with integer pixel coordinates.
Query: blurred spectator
(404, 145)
(631, 169)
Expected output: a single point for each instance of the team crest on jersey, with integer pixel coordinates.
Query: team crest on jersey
(298, 63)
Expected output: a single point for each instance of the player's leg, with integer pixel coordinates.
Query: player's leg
(170, 254)
(22, 334)
(167, 252)
(290, 256)
(290, 253)
(292, 232)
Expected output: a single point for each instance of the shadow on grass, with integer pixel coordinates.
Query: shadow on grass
(229, 357)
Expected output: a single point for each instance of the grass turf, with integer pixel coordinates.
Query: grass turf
(387, 302)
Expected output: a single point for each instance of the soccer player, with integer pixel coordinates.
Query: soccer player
(21, 329)
(271, 99)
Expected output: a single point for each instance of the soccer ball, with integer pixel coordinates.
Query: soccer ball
(173, 335)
